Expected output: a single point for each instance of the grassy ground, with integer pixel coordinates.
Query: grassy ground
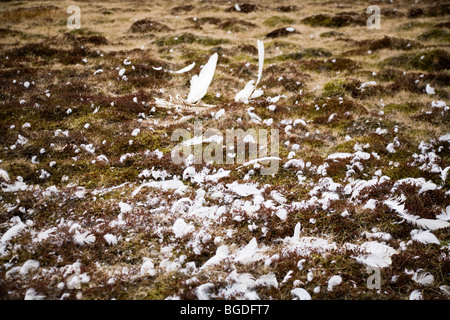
(71, 162)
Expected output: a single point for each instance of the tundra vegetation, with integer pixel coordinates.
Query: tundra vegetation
(93, 207)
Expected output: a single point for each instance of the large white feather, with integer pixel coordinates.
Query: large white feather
(430, 224)
(297, 230)
(200, 83)
(260, 60)
(250, 90)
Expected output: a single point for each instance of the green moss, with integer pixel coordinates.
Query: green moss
(189, 38)
(402, 171)
(433, 60)
(334, 88)
(306, 53)
(320, 20)
(412, 25)
(436, 34)
(276, 21)
(407, 108)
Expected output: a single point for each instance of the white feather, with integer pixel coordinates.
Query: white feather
(253, 116)
(300, 294)
(200, 83)
(445, 289)
(250, 90)
(430, 224)
(416, 295)
(445, 215)
(12, 232)
(378, 254)
(429, 89)
(427, 186)
(186, 69)
(83, 238)
(424, 236)
(240, 284)
(334, 281)
(370, 83)
(257, 93)
(297, 230)
(147, 268)
(32, 295)
(244, 94)
(260, 60)
(28, 266)
(423, 277)
(4, 175)
(268, 280)
(444, 174)
(246, 253)
(110, 239)
(221, 253)
(202, 291)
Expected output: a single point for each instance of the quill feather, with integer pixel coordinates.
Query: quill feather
(200, 83)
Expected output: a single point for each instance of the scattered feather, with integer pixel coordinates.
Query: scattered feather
(300, 294)
(185, 69)
(333, 282)
(203, 292)
(425, 237)
(416, 295)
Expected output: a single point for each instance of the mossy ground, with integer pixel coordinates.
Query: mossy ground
(68, 121)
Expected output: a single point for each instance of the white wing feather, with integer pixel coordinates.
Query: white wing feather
(200, 83)
(250, 90)
(430, 224)
(297, 230)
(260, 60)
